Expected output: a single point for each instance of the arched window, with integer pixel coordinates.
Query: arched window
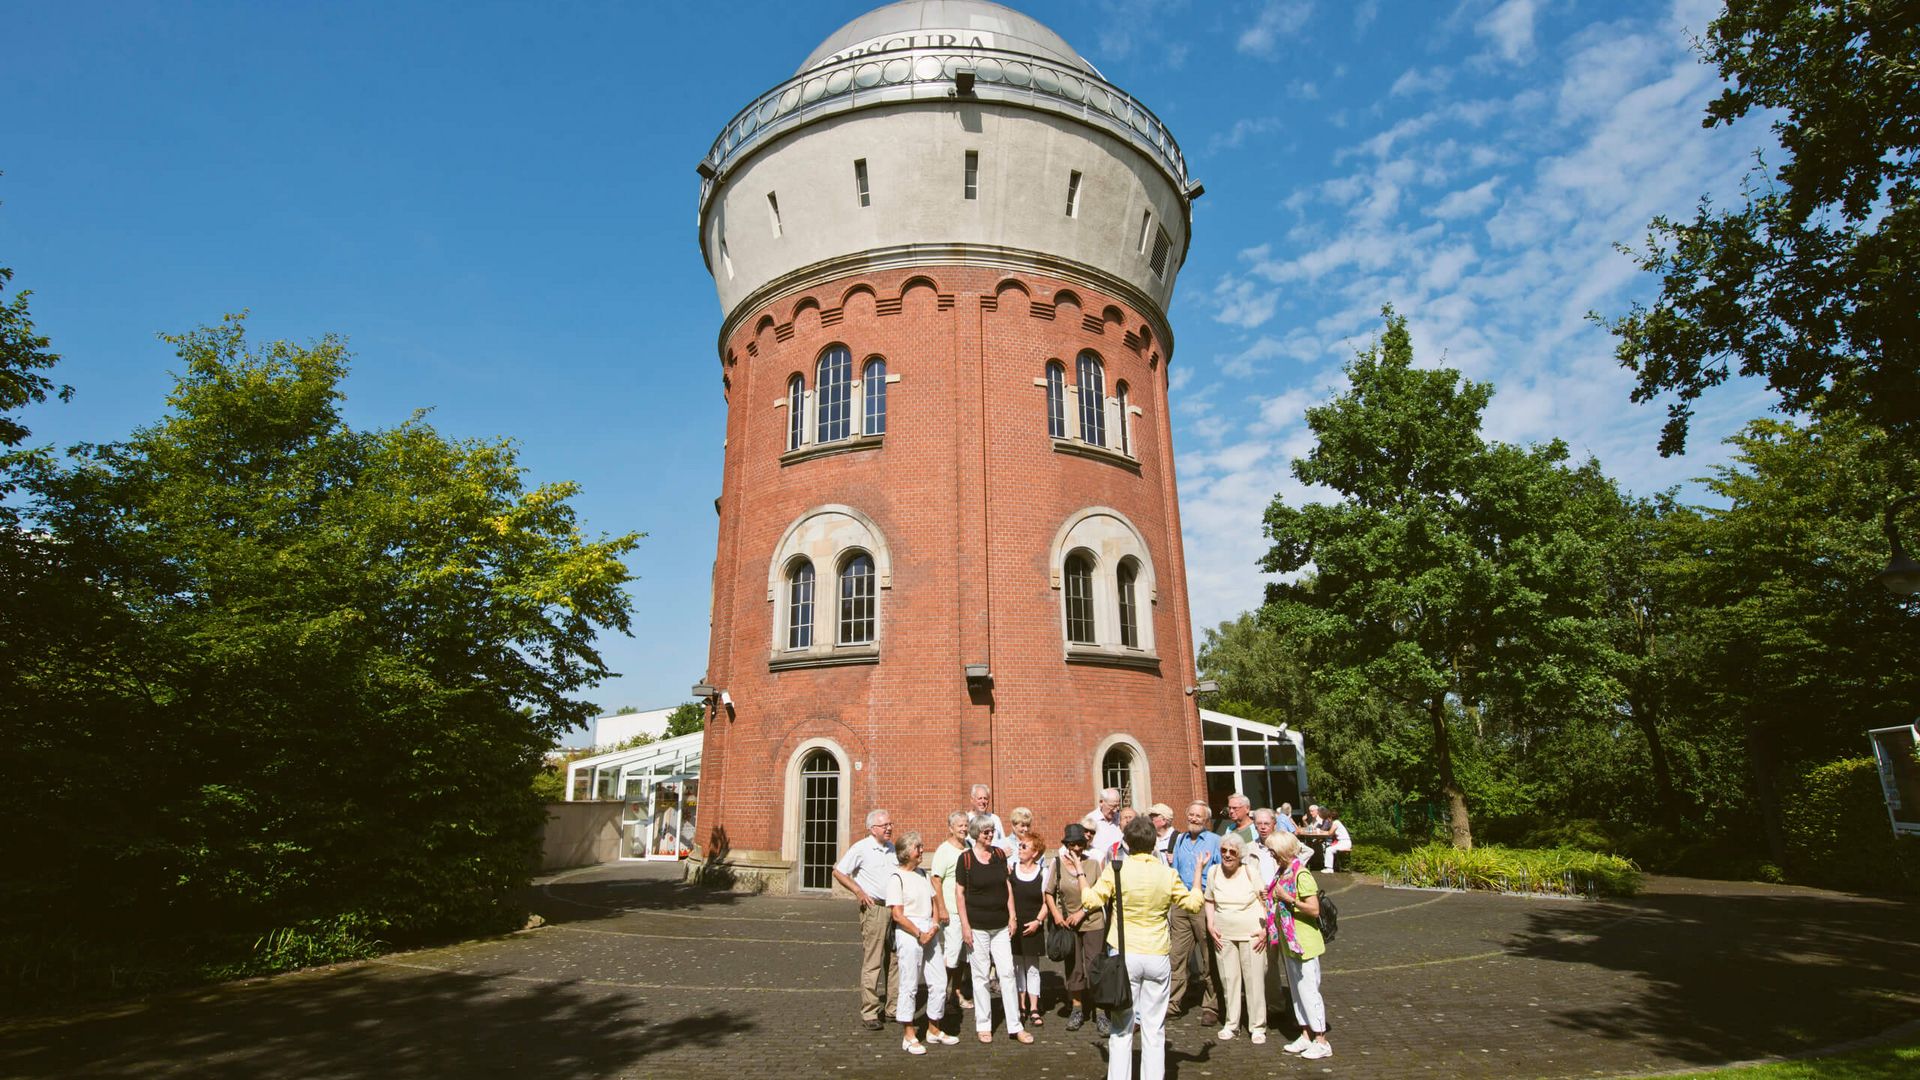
(856, 600)
(1057, 400)
(1125, 577)
(1126, 421)
(1091, 380)
(1116, 771)
(873, 379)
(796, 411)
(833, 395)
(1079, 588)
(819, 819)
(800, 605)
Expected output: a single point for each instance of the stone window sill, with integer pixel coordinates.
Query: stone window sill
(830, 657)
(1097, 453)
(840, 446)
(1112, 656)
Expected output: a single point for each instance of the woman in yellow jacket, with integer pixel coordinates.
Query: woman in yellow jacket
(1148, 891)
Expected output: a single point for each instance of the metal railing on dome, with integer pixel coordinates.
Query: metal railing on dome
(918, 74)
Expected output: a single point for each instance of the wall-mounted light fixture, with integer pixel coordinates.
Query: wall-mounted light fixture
(703, 691)
(963, 83)
(1204, 686)
(978, 675)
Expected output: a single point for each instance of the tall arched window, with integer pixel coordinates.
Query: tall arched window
(1057, 400)
(796, 411)
(819, 819)
(833, 395)
(1091, 380)
(1126, 421)
(856, 600)
(1079, 589)
(1116, 771)
(1125, 577)
(873, 379)
(800, 605)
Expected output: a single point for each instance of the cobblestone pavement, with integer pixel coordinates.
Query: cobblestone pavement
(639, 976)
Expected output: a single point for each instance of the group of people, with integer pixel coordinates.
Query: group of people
(1225, 898)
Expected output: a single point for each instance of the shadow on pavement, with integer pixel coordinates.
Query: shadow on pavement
(608, 892)
(365, 1022)
(1733, 977)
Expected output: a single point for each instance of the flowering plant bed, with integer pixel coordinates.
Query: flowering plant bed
(1543, 872)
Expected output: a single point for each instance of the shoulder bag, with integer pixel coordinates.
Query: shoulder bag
(1061, 939)
(1107, 976)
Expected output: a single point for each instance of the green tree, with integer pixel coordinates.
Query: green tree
(1454, 577)
(686, 719)
(1813, 281)
(329, 660)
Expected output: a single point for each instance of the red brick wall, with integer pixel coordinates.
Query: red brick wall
(969, 494)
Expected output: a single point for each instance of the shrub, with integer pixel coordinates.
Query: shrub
(1838, 836)
(1558, 871)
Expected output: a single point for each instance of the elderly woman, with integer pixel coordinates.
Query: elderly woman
(1235, 923)
(940, 872)
(986, 916)
(1149, 891)
(1072, 871)
(1029, 880)
(1293, 931)
(916, 945)
(1020, 822)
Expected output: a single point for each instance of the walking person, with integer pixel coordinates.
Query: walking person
(1238, 931)
(1073, 870)
(863, 871)
(916, 943)
(986, 916)
(1194, 853)
(1149, 891)
(1030, 881)
(1293, 930)
(941, 865)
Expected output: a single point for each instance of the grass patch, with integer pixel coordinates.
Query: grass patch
(1897, 1061)
(1554, 871)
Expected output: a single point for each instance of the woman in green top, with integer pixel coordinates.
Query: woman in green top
(1293, 892)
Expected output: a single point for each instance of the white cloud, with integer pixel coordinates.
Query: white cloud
(1243, 303)
(1465, 203)
(1277, 19)
(1364, 13)
(1510, 28)
(1236, 136)
(1415, 81)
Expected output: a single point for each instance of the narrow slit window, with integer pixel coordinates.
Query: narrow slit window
(1092, 380)
(1073, 195)
(773, 212)
(796, 411)
(800, 606)
(973, 174)
(873, 384)
(1057, 400)
(860, 182)
(1146, 229)
(1129, 607)
(1126, 421)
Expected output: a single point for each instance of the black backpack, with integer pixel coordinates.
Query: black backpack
(1329, 920)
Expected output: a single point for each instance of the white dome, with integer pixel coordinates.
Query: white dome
(944, 23)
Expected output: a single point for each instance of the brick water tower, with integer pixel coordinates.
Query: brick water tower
(949, 536)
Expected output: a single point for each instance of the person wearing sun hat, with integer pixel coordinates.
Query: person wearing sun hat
(1162, 817)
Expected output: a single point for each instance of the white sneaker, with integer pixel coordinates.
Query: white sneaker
(1259, 1038)
(1298, 1045)
(1317, 1051)
(1226, 1033)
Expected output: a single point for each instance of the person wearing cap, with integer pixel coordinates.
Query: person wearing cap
(1075, 868)
(1162, 817)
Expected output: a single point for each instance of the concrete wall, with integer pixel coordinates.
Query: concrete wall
(580, 834)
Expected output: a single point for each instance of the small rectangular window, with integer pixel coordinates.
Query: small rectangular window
(725, 259)
(1146, 229)
(860, 182)
(1073, 195)
(773, 211)
(973, 174)
(1158, 261)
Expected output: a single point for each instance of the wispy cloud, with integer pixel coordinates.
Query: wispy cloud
(1416, 81)
(1510, 28)
(1276, 19)
(1236, 136)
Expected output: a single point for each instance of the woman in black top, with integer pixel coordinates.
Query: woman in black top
(1029, 881)
(986, 910)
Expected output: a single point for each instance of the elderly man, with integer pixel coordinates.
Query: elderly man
(982, 797)
(1239, 818)
(863, 871)
(1107, 841)
(1264, 824)
(1284, 819)
(1194, 852)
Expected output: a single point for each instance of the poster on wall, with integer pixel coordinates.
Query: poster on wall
(1897, 751)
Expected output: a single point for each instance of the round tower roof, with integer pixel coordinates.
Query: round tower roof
(924, 22)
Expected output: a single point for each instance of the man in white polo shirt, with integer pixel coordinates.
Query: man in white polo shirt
(1107, 841)
(863, 871)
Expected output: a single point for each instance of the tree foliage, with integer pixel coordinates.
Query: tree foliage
(1813, 281)
(280, 671)
(686, 718)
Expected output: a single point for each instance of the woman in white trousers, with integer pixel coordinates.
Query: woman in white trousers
(1293, 930)
(1148, 891)
(916, 946)
(986, 915)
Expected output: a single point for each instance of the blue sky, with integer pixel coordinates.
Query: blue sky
(495, 204)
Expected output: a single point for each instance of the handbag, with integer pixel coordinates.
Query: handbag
(1060, 939)
(1107, 975)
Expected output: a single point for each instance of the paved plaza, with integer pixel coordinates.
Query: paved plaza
(636, 975)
